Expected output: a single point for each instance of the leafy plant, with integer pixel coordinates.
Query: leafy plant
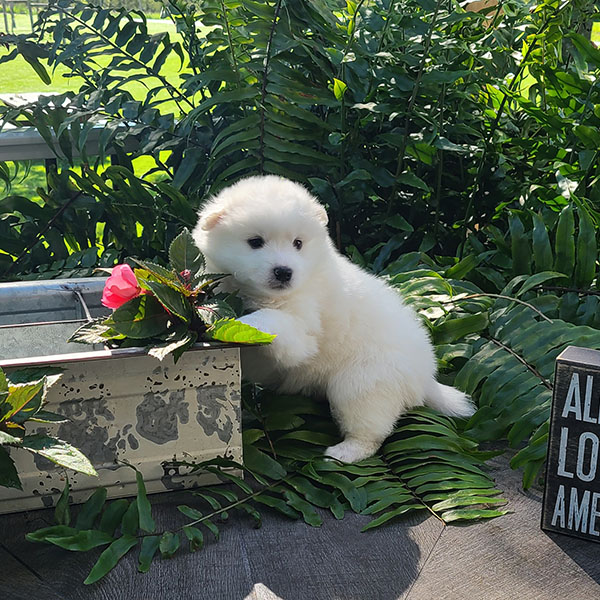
(424, 127)
(417, 122)
(500, 347)
(22, 396)
(426, 465)
(171, 308)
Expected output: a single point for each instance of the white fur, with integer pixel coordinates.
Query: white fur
(340, 330)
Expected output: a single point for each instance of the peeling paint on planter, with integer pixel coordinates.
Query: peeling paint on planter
(126, 406)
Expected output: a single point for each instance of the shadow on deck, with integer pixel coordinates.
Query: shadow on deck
(416, 558)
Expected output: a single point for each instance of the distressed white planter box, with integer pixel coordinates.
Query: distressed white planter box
(126, 406)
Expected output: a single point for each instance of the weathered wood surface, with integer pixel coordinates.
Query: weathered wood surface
(510, 558)
(414, 559)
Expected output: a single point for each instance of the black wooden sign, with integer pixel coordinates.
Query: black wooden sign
(572, 490)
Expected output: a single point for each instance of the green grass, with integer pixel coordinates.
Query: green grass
(17, 76)
(32, 175)
(596, 33)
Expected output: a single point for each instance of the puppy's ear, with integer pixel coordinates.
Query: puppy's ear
(321, 214)
(209, 218)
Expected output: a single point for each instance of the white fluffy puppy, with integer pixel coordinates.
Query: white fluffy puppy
(340, 331)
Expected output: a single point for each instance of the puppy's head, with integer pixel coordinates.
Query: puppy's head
(267, 231)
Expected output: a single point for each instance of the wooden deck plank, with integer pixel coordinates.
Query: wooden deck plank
(510, 558)
(412, 559)
(297, 562)
(17, 582)
(284, 559)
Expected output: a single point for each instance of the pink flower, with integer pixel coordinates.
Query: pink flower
(120, 287)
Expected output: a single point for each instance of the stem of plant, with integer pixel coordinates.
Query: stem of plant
(411, 103)
(496, 122)
(263, 92)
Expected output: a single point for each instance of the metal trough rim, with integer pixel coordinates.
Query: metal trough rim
(74, 357)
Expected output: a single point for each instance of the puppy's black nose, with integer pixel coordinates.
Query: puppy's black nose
(283, 274)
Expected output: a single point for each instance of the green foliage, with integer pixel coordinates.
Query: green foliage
(175, 306)
(500, 346)
(22, 396)
(427, 464)
(382, 108)
(423, 127)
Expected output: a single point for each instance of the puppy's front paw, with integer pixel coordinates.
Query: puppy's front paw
(293, 345)
(352, 450)
(255, 320)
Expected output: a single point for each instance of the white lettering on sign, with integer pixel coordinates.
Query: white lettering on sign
(594, 514)
(562, 453)
(573, 400)
(575, 513)
(558, 516)
(579, 512)
(587, 403)
(585, 469)
(593, 464)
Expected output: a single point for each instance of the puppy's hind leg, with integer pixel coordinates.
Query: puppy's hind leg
(366, 413)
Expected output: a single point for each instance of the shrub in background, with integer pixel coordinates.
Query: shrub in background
(418, 123)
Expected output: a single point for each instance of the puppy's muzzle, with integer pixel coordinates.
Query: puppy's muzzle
(282, 276)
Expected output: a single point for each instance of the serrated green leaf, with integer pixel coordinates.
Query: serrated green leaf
(18, 397)
(3, 385)
(141, 318)
(174, 301)
(8, 472)
(230, 330)
(184, 255)
(45, 416)
(94, 332)
(175, 348)
(59, 452)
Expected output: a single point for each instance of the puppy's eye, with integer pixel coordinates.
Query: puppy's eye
(256, 242)
(297, 244)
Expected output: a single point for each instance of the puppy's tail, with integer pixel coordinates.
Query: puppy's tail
(449, 400)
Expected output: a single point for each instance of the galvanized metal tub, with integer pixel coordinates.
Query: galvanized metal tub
(124, 406)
